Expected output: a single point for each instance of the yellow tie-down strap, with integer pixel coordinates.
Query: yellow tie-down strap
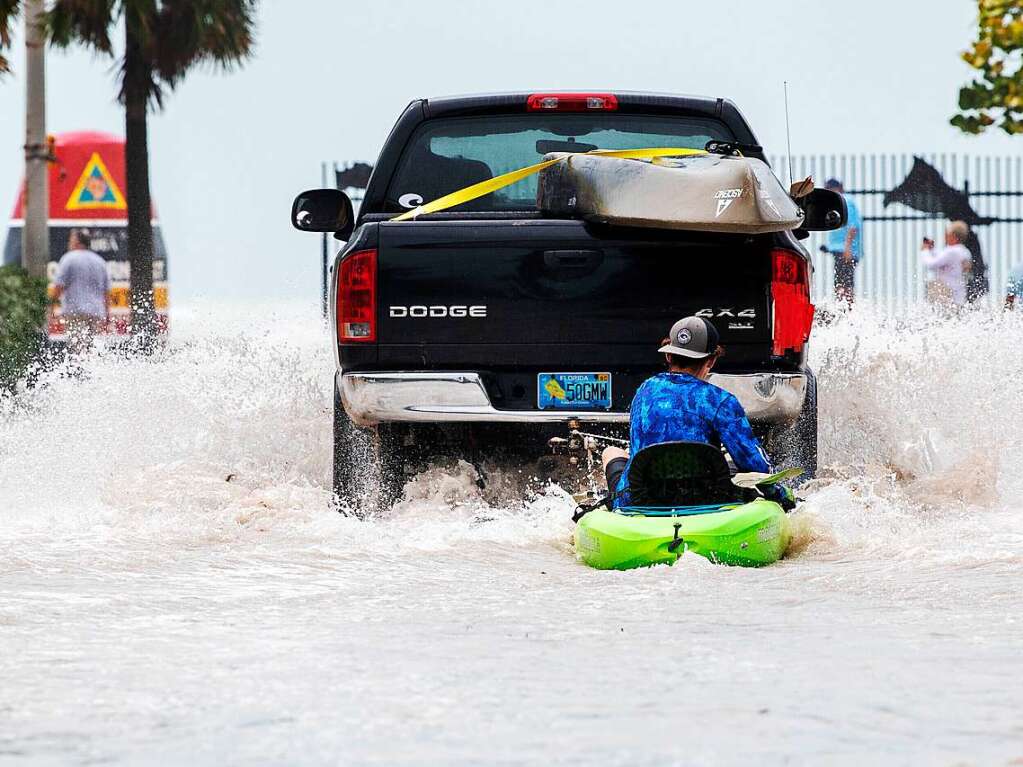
(507, 179)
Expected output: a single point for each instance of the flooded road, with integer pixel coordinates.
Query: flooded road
(173, 586)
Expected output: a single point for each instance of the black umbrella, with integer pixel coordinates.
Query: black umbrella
(925, 190)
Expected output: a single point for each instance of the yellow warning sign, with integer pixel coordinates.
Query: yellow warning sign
(96, 188)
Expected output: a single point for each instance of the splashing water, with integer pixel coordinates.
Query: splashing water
(174, 584)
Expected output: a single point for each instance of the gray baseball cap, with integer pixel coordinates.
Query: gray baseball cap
(692, 337)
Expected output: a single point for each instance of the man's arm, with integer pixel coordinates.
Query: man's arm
(738, 438)
(850, 236)
(852, 229)
(746, 451)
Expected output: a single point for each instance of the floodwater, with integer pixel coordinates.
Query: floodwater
(174, 587)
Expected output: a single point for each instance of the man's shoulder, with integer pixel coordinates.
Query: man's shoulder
(80, 254)
(723, 399)
(72, 260)
(667, 383)
(93, 258)
(710, 394)
(82, 261)
(653, 383)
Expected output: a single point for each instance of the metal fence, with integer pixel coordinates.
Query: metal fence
(987, 190)
(890, 273)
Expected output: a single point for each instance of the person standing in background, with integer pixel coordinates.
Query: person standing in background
(949, 268)
(82, 286)
(1015, 289)
(846, 246)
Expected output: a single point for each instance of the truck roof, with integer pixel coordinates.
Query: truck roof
(628, 102)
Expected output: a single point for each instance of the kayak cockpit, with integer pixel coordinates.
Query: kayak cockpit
(681, 497)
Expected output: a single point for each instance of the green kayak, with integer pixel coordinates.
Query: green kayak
(751, 534)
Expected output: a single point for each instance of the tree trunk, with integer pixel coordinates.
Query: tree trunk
(137, 79)
(35, 240)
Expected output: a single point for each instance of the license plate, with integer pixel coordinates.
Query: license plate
(573, 391)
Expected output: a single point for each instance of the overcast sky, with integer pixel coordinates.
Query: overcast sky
(329, 78)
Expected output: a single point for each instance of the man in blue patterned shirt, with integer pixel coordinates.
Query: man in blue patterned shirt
(682, 406)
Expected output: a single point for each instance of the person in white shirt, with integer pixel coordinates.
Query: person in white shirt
(949, 268)
(82, 285)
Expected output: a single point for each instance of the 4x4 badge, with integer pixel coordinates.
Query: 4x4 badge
(728, 311)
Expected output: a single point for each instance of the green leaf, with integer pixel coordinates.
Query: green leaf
(995, 55)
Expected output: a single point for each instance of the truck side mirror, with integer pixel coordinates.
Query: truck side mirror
(823, 211)
(324, 210)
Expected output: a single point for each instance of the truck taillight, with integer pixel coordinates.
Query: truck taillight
(571, 102)
(357, 297)
(790, 294)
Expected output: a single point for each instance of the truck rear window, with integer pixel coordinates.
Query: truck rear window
(448, 154)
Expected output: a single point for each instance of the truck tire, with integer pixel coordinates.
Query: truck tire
(796, 445)
(369, 465)
(392, 465)
(349, 441)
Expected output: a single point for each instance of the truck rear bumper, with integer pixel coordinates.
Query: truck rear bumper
(372, 398)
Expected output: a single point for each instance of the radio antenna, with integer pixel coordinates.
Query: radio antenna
(788, 133)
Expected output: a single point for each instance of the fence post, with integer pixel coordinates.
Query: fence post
(324, 244)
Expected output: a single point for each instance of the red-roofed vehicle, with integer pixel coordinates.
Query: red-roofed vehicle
(87, 191)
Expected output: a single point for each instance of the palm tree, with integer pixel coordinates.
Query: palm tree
(163, 40)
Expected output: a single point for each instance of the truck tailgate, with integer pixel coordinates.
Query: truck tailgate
(556, 292)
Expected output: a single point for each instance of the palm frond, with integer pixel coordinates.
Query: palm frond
(83, 21)
(195, 32)
(8, 15)
(171, 36)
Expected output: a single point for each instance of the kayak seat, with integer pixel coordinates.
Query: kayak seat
(681, 474)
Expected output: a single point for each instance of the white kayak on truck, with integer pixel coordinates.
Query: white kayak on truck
(706, 192)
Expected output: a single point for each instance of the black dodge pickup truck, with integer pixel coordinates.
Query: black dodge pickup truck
(447, 326)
